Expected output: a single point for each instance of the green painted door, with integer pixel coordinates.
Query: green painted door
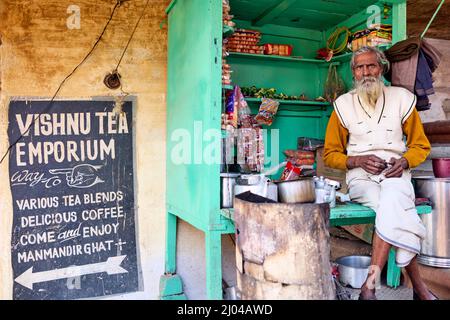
(193, 110)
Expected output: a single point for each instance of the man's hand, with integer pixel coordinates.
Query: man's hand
(398, 165)
(370, 163)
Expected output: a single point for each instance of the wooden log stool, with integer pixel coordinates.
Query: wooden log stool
(282, 250)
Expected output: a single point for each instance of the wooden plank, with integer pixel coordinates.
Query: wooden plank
(399, 22)
(350, 221)
(171, 243)
(347, 211)
(194, 106)
(282, 31)
(353, 210)
(274, 58)
(293, 102)
(273, 12)
(213, 247)
(328, 6)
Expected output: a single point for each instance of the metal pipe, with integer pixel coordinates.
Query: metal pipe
(432, 18)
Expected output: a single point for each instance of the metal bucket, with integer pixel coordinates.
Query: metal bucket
(441, 167)
(353, 270)
(435, 249)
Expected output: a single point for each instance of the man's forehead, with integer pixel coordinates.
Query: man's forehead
(366, 57)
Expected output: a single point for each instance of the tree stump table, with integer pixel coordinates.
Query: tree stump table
(282, 250)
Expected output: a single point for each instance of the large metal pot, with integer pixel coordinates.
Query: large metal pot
(296, 191)
(436, 245)
(353, 270)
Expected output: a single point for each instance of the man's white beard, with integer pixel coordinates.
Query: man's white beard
(369, 90)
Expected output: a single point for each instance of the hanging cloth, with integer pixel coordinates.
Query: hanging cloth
(413, 62)
(432, 53)
(403, 50)
(424, 83)
(403, 57)
(429, 60)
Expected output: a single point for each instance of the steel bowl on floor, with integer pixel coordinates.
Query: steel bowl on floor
(353, 270)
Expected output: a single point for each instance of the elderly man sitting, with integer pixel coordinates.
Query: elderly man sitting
(365, 137)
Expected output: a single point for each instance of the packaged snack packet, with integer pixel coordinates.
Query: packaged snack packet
(267, 111)
(231, 108)
(290, 172)
(299, 154)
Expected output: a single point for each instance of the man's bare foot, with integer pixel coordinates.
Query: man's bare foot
(424, 295)
(367, 294)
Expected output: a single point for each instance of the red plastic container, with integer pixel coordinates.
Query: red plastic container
(441, 167)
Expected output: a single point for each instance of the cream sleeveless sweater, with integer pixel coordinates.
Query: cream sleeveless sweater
(380, 132)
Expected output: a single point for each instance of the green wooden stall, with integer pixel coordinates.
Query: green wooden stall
(195, 99)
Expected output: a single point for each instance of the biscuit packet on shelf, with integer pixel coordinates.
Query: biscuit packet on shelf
(267, 111)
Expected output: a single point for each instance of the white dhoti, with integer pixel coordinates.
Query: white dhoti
(392, 199)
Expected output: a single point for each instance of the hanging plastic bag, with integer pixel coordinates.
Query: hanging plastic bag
(334, 85)
(245, 119)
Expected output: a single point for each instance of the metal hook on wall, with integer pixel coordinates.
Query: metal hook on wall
(432, 18)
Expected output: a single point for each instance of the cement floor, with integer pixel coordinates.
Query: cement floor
(386, 293)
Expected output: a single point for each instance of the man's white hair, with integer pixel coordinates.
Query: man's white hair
(383, 62)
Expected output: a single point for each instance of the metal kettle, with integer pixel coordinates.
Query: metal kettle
(325, 190)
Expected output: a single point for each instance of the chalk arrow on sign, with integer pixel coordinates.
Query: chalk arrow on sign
(110, 266)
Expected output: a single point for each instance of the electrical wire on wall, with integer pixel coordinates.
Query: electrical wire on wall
(112, 80)
(117, 5)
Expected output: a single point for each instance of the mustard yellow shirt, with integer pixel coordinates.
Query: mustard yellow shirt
(336, 138)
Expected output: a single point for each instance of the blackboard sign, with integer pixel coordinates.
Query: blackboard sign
(72, 184)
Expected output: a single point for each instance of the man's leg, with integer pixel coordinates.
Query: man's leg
(367, 192)
(418, 284)
(380, 253)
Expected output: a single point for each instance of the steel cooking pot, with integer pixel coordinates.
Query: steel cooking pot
(296, 191)
(353, 270)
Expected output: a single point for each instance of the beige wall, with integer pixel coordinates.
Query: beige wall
(38, 51)
(440, 101)
(440, 104)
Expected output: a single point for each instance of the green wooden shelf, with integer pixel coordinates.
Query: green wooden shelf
(348, 55)
(227, 31)
(342, 57)
(293, 102)
(274, 58)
